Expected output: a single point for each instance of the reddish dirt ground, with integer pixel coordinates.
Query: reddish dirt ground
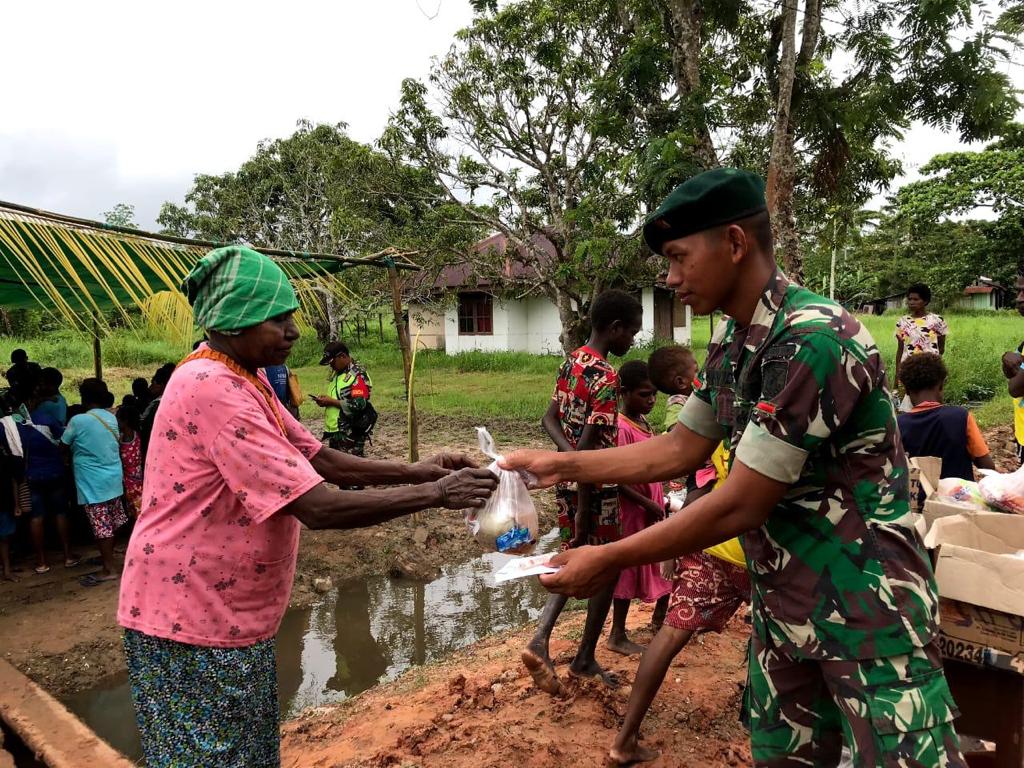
(480, 709)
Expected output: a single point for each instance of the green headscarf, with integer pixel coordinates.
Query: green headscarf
(236, 287)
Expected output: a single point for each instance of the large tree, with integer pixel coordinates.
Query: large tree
(319, 190)
(528, 125)
(571, 118)
(963, 220)
(829, 87)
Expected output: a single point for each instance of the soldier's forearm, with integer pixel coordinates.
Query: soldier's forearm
(664, 457)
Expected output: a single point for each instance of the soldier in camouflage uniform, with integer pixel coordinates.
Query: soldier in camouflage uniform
(844, 602)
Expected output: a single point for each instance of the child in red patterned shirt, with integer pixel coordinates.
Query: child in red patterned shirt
(583, 415)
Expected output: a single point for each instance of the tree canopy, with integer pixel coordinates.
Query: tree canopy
(572, 118)
(319, 190)
(963, 220)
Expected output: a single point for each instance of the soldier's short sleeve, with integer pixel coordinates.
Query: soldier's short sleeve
(697, 413)
(810, 384)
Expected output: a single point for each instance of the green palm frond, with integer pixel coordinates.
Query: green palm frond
(83, 271)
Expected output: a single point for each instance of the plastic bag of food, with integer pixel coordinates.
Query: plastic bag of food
(508, 522)
(964, 493)
(1004, 491)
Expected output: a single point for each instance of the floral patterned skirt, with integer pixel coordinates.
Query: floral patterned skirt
(199, 706)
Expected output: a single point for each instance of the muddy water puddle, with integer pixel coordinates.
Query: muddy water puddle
(357, 635)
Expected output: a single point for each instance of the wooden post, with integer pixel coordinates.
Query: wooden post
(403, 342)
(380, 325)
(97, 351)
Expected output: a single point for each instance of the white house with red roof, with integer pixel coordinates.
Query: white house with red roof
(509, 315)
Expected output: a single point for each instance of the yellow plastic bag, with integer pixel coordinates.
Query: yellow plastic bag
(730, 551)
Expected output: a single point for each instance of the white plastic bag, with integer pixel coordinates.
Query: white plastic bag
(1004, 491)
(508, 522)
(964, 493)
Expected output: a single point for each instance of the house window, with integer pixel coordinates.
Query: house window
(476, 314)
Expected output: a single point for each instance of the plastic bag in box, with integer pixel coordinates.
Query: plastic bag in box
(1004, 491)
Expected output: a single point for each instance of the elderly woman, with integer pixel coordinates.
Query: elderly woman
(230, 475)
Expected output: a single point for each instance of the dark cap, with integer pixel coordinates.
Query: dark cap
(332, 350)
(707, 200)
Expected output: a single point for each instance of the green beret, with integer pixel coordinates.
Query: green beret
(707, 200)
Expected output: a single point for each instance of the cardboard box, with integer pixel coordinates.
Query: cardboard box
(924, 479)
(980, 636)
(981, 587)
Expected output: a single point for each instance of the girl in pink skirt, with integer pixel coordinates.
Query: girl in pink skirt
(639, 507)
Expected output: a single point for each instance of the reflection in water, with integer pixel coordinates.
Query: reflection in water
(357, 636)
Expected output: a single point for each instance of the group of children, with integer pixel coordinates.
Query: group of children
(56, 458)
(594, 406)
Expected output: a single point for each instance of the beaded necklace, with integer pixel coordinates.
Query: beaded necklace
(205, 353)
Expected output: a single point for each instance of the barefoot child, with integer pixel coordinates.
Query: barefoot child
(707, 589)
(583, 416)
(639, 507)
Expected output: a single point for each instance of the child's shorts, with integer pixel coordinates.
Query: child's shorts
(706, 592)
(605, 525)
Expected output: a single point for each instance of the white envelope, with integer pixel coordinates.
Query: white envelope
(519, 567)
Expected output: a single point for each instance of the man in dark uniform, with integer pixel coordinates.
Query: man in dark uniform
(844, 602)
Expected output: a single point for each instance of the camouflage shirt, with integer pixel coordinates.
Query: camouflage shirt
(838, 569)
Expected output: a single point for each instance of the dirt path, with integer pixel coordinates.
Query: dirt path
(480, 709)
(66, 638)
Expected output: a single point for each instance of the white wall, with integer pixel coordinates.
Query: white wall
(533, 325)
(454, 343)
(544, 327)
(520, 325)
(684, 335)
(428, 325)
(647, 328)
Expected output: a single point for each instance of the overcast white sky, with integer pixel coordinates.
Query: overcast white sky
(108, 102)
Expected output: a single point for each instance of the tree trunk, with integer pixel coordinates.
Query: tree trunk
(782, 163)
(683, 19)
(326, 322)
(575, 324)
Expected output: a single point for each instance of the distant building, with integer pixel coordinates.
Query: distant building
(882, 304)
(985, 294)
(513, 316)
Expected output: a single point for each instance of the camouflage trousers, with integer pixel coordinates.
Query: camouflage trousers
(340, 441)
(894, 712)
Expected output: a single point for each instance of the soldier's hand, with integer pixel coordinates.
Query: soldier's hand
(544, 468)
(467, 488)
(583, 572)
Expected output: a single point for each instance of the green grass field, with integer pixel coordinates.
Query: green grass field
(517, 386)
